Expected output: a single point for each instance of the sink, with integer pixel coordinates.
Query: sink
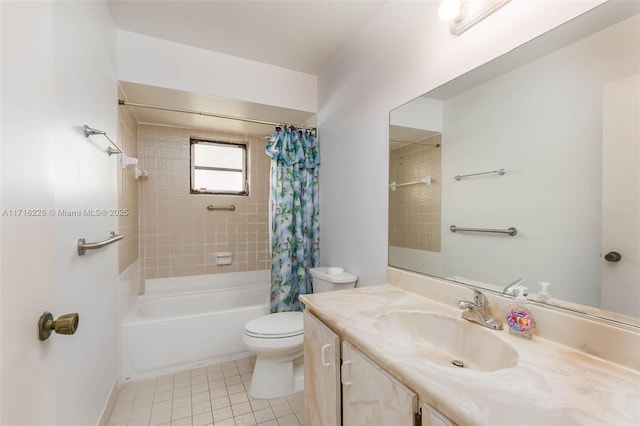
(446, 340)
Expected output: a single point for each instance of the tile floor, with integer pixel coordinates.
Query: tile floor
(213, 395)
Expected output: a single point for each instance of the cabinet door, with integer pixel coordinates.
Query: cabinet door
(321, 373)
(370, 396)
(432, 417)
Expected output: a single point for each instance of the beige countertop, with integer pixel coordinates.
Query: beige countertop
(551, 384)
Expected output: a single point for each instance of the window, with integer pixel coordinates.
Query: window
(218, 168)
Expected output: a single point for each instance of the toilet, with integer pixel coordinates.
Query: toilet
(277, 340)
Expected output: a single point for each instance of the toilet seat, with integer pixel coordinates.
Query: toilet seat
(275, 326)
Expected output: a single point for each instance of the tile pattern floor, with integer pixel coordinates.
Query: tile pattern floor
(213, 395)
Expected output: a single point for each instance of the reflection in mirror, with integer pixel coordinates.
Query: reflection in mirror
(414, 199)
(561, 115)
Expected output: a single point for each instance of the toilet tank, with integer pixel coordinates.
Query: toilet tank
(329, 279)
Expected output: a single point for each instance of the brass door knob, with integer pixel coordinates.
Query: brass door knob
(613, 256)
(65, 324)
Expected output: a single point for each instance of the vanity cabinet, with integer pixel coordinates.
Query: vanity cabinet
(355, 391)
(432, 417)
(321, 373)
(371, 396)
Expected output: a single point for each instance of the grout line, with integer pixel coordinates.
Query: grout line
(203, 396)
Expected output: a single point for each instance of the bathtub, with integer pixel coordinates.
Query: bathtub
(169, 330)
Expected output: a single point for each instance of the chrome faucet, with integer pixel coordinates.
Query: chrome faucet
(478, 311)
(511, 289)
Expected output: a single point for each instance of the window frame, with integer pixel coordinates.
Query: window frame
(244, 170)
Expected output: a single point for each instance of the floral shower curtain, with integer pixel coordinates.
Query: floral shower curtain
(295, 245)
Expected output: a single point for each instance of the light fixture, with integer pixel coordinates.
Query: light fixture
(464, 14)
(450, 10)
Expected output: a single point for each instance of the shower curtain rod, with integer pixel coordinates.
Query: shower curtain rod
(416, 141)
(210, 114)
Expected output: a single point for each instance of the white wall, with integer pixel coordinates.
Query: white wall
(402, 52)
(58, 73)
(420, 113)
(0, 207)
(85, 92)
(149, 60)
(523, 122)
(543, 123)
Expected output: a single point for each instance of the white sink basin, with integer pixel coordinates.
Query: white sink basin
(447, 341)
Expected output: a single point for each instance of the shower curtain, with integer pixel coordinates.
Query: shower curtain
(295, 245)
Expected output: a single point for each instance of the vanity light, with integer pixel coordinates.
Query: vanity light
(464, 14)
(450, 10)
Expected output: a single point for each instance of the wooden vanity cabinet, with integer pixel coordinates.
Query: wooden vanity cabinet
(355, 391)
(370, 396)
(321, 373)
(432, 417)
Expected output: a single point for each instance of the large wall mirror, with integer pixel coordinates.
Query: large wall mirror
(545, 140)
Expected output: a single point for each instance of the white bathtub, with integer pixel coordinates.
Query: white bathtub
(174, 331)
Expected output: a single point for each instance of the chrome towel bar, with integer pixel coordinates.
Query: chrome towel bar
(126, 161)
(90, 131)
(499, 171)
(511, 230)
(83, 245)
(426, 180)
(211, 207)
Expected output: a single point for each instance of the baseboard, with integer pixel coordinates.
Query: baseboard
(108, 407)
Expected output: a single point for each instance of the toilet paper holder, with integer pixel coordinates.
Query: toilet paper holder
(223, 258)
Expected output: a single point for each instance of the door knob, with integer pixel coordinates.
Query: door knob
(613, 256)
(65, 324)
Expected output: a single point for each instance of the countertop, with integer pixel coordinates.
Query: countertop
(551, 384)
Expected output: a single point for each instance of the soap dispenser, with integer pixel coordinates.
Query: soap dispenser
(519, 318)
(544, 295)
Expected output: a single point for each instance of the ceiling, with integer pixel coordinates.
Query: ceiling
(301, 35)
(400, 136)
(177, 99)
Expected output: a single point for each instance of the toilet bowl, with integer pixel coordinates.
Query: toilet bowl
(277, 340)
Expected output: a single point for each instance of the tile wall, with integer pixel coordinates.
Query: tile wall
(128, 248)
(414, 211)
(178, 235)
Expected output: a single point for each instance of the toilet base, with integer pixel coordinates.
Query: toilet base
(272, 379)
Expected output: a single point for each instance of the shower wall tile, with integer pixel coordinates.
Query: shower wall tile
(178, 235)
(414, 211)
(128, 248)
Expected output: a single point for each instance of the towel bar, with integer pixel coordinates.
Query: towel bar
(83, 245)
(511, 230)
(211, 207)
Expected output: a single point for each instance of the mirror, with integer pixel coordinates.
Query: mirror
(544, 139)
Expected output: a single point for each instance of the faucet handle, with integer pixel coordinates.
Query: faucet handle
(463, 304)
(479, 298)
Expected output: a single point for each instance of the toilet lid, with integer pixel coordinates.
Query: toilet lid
(281, 324)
